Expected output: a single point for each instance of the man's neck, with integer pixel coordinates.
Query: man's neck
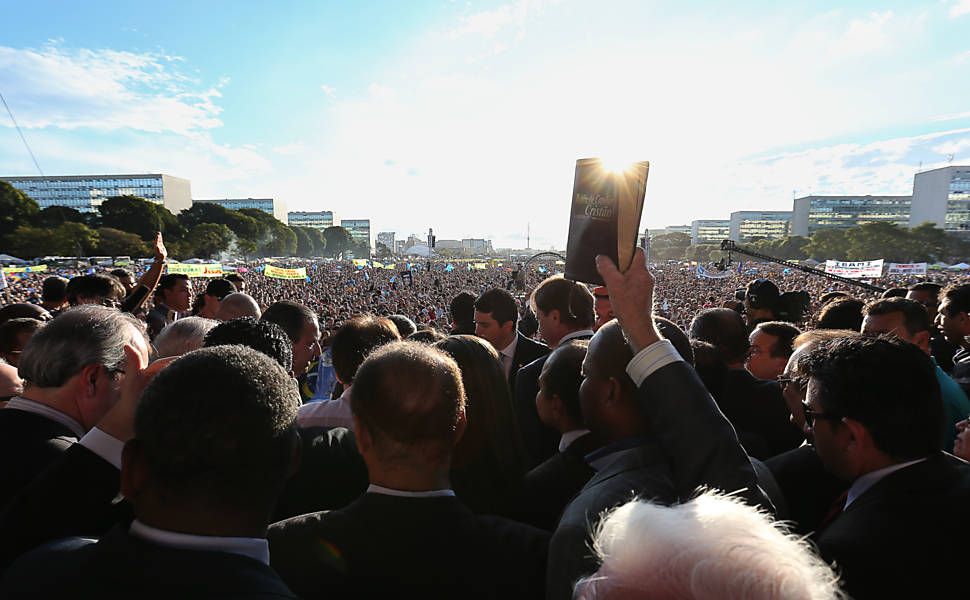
(193, 521)
(60, 399)
(407, 479)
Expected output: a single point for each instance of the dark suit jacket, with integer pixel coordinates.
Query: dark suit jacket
(332, 473)
(759, 414)
(548, 488)
(691, 444)
(124, 566)
(540, 441)
(387, 546)
(75, 496)
(526, 351)
(906, 536)
(28, 443)
(809, 489)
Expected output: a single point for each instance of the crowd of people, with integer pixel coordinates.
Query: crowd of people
(445, 431)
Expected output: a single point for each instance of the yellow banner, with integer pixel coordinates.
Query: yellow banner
(479, 266)
(35, 269)
(377, 265)
(278, 273)
(201, 270)
(360, 262)
(390, 267)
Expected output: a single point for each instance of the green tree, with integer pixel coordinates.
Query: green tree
(52, 216)
(304, 245)
(872, 241)
(702, 253)
(67, 239)
(248, 231)
(209, 239)
(669, 246)
(319, 242)
(828, 244)
(114, 242)
(16, 208)
(276, 238)
(139, 216)
(930, 243)
(338, 240)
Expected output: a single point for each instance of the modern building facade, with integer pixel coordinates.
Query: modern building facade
(359, 229)
(812, 213)
(476, 246)
(942, 197)
(319, 219)
(386, 238)
(448, 245)
(751, 225)
(86, 192)
(709, 231)
(270, 206)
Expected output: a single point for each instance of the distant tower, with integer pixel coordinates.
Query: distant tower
(528, 235)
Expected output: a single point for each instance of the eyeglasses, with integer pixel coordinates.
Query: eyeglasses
(811, 415)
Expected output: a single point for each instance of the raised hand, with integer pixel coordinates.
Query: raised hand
(631, 296)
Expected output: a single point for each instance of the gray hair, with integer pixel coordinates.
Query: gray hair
(182, 336)
(81, 336)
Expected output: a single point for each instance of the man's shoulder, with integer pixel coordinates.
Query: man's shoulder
(19, 426)
(529, 347)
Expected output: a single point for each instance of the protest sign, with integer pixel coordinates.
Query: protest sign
(278, 273)
(199, 270)
(907, 269)
(34, 269)
(702, 272)
(865, 269)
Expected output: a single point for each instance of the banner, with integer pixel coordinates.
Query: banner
(35, 269)
(278, 273)
(360, 263)
(200, 270)
(702, 272)
(907, 269)
(866, 269)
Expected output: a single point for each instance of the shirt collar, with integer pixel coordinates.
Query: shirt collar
(862, 484)
(255, 548)
(378, 489)
(576, 334)
(569, 437)
(510, 349)
(32, 406)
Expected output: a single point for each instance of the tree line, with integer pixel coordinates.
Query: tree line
(126, 225)
(923, 243)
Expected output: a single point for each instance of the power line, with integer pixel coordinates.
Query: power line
(26, 145)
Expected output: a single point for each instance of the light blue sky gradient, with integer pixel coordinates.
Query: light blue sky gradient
(468, 116)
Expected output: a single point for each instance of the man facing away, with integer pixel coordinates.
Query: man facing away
(408, 535)
(214, 440)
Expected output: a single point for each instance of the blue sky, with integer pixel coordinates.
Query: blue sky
(468, 116)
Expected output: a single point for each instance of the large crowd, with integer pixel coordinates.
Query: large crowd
(456, 430)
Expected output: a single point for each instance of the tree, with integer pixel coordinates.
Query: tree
(702, 253)
(304, 245)
(277, 239)
(319, 242)
(872, 241)
(52, 216)
(248, 231)
(138, 216)
(669, 246)
(828, 244)
(338, 240)
(114, 242)
(68, 239)
(16, 208)
(209, 239)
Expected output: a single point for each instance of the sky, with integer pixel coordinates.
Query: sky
(468, 117)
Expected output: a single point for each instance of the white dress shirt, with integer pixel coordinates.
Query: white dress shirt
(32, 406)
(328, 413)
(569, 437)
(574, 335)
(651, 359)
(254, 548)
(508, 356)
(378, 489)
(862, 484)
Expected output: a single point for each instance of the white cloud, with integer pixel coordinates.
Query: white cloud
(960, 8)
(106, 90)
(329, 90)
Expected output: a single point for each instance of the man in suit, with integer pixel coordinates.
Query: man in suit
(408, 535)
(564, 310)
(928, 295)
(664, 435)
(954, 321)
(301, 325)
(496, 316)
(214, 440)
(755, 407)
(874, 408)
(72, 368)
(551, 485)
(173, 299)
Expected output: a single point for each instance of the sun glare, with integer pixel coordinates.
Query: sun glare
(616, 164)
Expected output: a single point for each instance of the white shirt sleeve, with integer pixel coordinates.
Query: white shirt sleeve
(650, 359)
(107, 447)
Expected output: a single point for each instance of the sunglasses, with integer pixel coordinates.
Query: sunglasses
(811, 415)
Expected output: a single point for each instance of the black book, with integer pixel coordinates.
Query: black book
(604, 217)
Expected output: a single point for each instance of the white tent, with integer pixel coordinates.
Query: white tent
(11, 260)
(960, 267)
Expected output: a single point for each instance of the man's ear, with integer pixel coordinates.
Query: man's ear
(460, 426)
(364, 440)
(555, 315)
(858, 436)
(88, 379)
(922, 339)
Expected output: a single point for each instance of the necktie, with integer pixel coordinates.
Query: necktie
(834, 511)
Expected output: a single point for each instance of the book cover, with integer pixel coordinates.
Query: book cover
(604, 217)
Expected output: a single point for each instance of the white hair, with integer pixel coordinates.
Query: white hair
(714, 547)
(182, 336)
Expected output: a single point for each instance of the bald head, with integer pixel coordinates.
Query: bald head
(238, 305)
(410, 400)
(609, 351)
